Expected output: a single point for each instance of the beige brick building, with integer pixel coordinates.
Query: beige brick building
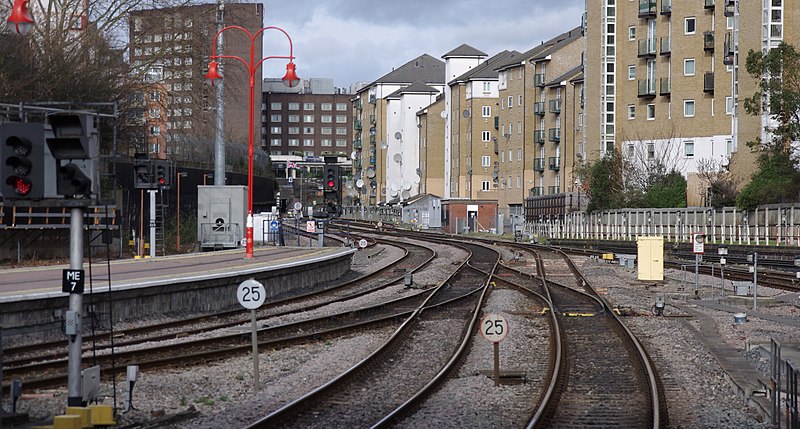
(537, 116)
(431, 148)
(661, 78)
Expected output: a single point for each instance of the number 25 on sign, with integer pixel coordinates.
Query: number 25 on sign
(494, 328)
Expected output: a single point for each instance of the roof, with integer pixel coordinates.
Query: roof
(464, 51)
(554, 44)
(424, 68)
(487, 69)
(416, 87)
(577, 70)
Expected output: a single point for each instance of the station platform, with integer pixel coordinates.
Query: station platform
(31, 299)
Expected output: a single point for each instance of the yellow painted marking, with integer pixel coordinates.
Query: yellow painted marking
(616, 310)
(578, 314)
(493, 284)
(544, 310)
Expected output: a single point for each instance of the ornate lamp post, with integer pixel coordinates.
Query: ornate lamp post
(290, 79)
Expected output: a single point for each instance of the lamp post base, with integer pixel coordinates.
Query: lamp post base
(248, 236)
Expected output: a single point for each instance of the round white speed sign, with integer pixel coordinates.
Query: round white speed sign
(251, 294)
(494, 327)
(362, 243)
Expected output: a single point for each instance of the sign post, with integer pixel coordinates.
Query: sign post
(494, 328)
(251, 294)
(698, 248)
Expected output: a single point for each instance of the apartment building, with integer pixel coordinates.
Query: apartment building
(386, 138)
(173, 45)
(538, 112)
(664, 80)
(311, 120)
(431, 147)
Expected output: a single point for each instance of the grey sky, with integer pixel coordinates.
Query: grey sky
(361, 40)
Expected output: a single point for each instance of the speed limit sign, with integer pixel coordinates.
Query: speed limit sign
(251, 294)
(494, 327)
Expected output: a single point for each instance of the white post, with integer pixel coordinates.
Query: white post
(152, 193)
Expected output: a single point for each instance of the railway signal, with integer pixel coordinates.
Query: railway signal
(22, 151)
(74, 146)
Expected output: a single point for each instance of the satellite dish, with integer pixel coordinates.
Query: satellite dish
(398, 158)
(416, 179)
(407, 185)
(371, 172)
(406, 195)
(357, 176)
(360, 183)
(373, 184)
(398, 135)
(395, 186)
(465, 113)
(394, 193)
(443, 114)
(353, 155)
(384, 145)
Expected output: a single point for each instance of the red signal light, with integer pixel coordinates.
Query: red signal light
(21, 186)
(330, 183)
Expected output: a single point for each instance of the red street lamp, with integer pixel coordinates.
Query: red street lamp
(20, 19)
(290, 79)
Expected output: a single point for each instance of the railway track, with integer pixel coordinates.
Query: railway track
(379, 387)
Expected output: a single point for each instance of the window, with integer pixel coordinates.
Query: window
(728, 147)
(487, 87)
(275, 118)
(155, 113)
(294, 142)
(326, 119)
(275, 142)
(511, 128)
(156, 131)
(294, 106)
(341, 131)
(631, 72)
(275, 106)
(325, 142)
(519, 154)
(486, 161)
(327, 130)
(486, 111)
(308, 118)
(631, 111)
(341, 106)
(341, 143)
(308, 142)
(651, 151)
(308, 106)
(688, 148)
(485, 185)
(631, 150)
(651, 112)
(486, 136)
(294, 130)
(326, 106)
(275, 130)
(510, 155)
(632, 33)
(308, 130)
(341, 119)
(688, 108)
(510, 101)
(519, 97)
(729, 105)
(688, 67)
(689, 25)
(294, 118)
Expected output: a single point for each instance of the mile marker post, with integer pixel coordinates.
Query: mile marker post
(251, 294)
(494, 328)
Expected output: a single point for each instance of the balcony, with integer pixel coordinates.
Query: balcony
(730, 8)
(552, 190)
(647, 48)
(666, 7)
(708, 4)
(496, 147)
(647, 88)
(555, 106)
(554, 163)
(708, 41)
(373, 140)
(538, 108)
(372, 160)
(357, 125)
(539, 79)
(554, 135)
(537, 191)
(538, 164)
(665, 86)
(708, 82)
(357, 144)
(372, 99)
(357, 104)
(647, 8)
(538, 136)
(666, 46)
(373, 131)
(357, 163)
(372, 119)
(728, 58)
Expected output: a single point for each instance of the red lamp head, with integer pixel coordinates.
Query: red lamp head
(20, 19)
(290, 79)
(213, 72)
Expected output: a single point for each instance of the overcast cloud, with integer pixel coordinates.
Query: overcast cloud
(362, 40)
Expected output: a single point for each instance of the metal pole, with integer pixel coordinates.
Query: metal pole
(219, 137)
(2, 410)
(722, 283)
(496, 363)
(254, 339)
(141, 223)
(178, 215)
(152, 193)
(755, 280)
(74, 391)
(697, 276)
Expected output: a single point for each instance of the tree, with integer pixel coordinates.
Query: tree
(603, 181)
(717, 183)
(778, 96)
(668, 190)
